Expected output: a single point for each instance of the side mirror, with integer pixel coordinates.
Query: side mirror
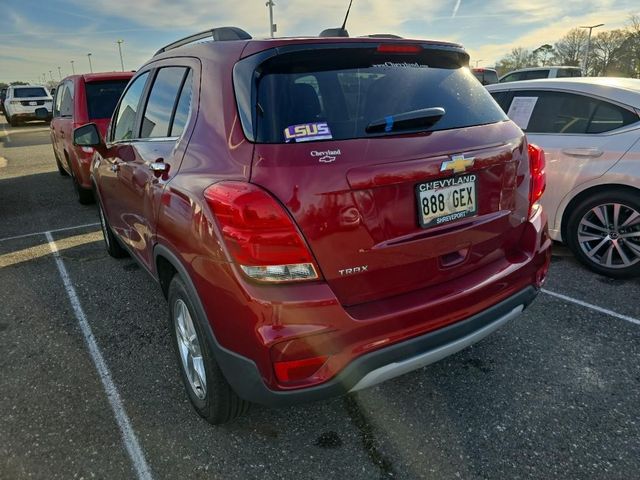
(42, 113)
(87, 136)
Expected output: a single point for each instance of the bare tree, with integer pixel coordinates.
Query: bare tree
(518, 58)
(570, 48)
(606, 48)
(544, 53)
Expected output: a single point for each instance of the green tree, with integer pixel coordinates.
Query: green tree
(606, 50)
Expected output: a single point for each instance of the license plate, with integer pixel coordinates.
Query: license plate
(33, 103)
(446, 200)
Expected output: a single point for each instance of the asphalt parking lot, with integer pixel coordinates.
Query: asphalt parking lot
(554, 394)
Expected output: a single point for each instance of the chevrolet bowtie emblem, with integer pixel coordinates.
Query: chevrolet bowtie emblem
(457, 163)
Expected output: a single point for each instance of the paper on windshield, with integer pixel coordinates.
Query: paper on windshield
(521, 110)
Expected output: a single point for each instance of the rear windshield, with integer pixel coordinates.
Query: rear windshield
(486, 77)
(340, 93)
(102, 97)
(29, 92)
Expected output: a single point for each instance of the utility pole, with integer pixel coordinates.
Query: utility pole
(90, 66)
(120, 42)
(60, 73)
(586, 55)
(272, 26)
(478, 61)
(51, 75)
(73, 69)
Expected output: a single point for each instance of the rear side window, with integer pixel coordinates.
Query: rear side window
(513, 77)
(569, 113)
(102, 97)
(568, 72)
(535, 74)
(66, 100)
(609, 117)
(340, 93)
(183, 107)
(162, 100)
(128, 110)
(29, 92)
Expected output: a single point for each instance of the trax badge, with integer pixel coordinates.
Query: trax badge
(307, 132)
(457, 163)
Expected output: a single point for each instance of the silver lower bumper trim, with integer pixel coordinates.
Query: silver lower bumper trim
(396, 369)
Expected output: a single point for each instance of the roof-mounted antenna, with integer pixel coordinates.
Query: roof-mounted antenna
(338, 32)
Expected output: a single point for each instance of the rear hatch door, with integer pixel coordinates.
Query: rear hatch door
(399, 168)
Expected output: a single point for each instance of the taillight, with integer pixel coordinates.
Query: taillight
(538, 177)
(261, 238)
(398, 48)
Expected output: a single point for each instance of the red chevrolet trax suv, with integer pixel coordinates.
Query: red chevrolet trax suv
(81, 99)
(322, 214)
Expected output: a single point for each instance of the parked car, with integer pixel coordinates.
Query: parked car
(314, 238)
(541, 72)
(589, 129)
(22, 101)
(486, 76)
(3, 95)
(81, 99)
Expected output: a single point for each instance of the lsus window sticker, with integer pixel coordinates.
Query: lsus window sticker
(307, 132)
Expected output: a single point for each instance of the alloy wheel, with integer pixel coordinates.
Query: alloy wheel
(609, 235)
(189, 348)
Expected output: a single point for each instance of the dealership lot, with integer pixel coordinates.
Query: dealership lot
(554, 394)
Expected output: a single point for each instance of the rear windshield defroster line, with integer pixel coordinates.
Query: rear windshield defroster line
(315, 94)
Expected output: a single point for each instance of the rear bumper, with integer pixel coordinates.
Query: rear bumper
(29, 116)
(381, 364)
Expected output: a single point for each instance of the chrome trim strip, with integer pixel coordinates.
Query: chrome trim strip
(396, 369)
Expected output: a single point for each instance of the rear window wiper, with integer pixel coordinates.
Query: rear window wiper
(413, 120)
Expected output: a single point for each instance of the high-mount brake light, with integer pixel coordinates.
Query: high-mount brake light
(398, 48)
(260, 236)
(538, 175)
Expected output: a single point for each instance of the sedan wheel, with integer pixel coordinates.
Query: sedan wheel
(605, 235)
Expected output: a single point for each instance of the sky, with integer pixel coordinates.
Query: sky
(38, 36)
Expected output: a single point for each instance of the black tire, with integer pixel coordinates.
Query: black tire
(61, 169)
(608, 252)
(111, 242)
(216, 402)
(84, 195)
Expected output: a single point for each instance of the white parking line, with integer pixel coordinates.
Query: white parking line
(591, 306)
(50, 231)
(128, 435)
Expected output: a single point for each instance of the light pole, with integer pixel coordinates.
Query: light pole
(478, 61)
(272, 26)
(90, 66)
(44, 78)
(586, 55)
(73, 69)
(51, 75)
(60, 73)
(120, 42)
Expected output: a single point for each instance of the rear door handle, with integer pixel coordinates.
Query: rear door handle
(583, 152)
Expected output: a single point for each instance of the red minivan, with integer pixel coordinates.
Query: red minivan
(81, 99)
(322, 214)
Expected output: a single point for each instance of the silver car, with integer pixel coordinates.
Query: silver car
(589, 129)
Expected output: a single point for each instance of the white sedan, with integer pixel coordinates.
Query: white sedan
(589, 129)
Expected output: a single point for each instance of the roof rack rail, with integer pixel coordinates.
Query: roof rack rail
(220, 34)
